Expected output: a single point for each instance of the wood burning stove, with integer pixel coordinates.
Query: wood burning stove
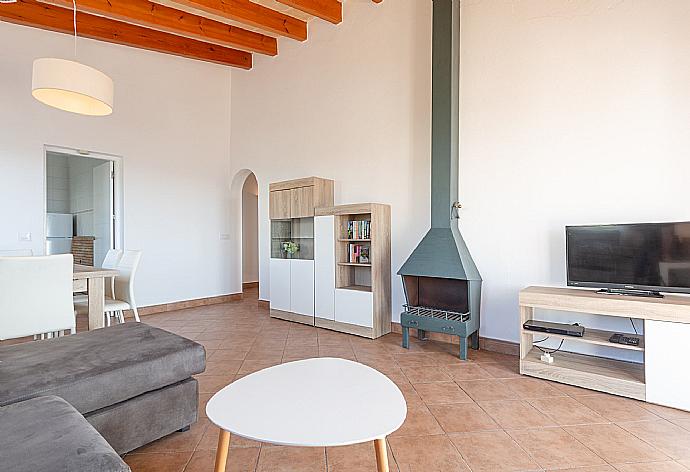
(441, 305)
(441, 281)
(442, 294)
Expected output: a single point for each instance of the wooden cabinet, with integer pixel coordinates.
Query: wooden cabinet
(294, 296)
(331, 291)
(279, 204)
(298, 198)
(302, 202)
(353, 291)
(657, 378)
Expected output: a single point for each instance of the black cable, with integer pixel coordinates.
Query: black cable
(551, 352)
(633, 325)
(534, 343)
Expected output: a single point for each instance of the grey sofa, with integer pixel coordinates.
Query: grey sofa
(132, 382)
(48, 434)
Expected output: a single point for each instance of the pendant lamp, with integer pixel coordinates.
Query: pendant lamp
(72, 86)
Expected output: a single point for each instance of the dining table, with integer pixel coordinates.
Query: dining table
(92, 281)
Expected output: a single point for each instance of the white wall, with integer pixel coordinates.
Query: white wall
(170, 124)
(572, 112)
(353, 105)
(250, 230)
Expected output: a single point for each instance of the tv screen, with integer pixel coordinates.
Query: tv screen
(651, 256)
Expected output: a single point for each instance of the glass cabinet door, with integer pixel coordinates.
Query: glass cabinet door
(292, 239)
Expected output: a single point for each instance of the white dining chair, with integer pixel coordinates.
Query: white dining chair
(36, 296)
(111, 260)
(124, 286)
(124, 290)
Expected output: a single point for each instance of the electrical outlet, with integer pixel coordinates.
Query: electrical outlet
(224, 236)
(547, 358)
(24, 236)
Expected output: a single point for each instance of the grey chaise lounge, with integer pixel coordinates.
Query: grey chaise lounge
(132, 382)
(48, 434)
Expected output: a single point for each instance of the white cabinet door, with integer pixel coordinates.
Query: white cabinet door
(666, 360)
(302, 287)
(280, 284)
(355, 307)
(324, 267)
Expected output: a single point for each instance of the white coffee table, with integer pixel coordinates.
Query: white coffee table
(314, 402)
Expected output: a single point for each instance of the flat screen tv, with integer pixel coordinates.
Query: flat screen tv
(649, 257)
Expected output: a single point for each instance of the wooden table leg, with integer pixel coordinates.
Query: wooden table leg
(222, 451)
(381, 455)
(96, 294)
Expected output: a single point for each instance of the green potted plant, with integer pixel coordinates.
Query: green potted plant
(290, 248)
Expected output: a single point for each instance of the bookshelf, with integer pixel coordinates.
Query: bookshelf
(351, 271)
(361, 240)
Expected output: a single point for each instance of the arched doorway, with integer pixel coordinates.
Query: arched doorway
(250, 234)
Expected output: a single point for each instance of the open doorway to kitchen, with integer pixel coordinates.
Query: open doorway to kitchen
(250, 233)
(83, 191)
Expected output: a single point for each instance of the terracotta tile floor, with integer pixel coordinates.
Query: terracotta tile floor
(477, 415)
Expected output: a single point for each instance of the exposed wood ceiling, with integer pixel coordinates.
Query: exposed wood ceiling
(225, 32)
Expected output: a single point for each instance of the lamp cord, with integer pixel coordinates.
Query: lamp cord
(74, 3)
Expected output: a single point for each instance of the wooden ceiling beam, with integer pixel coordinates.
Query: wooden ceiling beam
(247, 13)
(49, 17)
(329, 10)
(151, 15)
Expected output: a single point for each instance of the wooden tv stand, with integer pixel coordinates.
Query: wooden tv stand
(665, 345)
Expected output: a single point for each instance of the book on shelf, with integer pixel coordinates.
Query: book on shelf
(358, 254)
(359, 229)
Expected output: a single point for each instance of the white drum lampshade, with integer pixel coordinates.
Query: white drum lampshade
(72, 87)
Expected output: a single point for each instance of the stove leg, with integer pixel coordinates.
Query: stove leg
(463, 348)
(406, 337)
(474, 339)
(421, 335)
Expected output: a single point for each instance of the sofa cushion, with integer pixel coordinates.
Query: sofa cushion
(48, 434)
(96, 369)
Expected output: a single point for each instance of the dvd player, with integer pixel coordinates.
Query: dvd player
(555, 328)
